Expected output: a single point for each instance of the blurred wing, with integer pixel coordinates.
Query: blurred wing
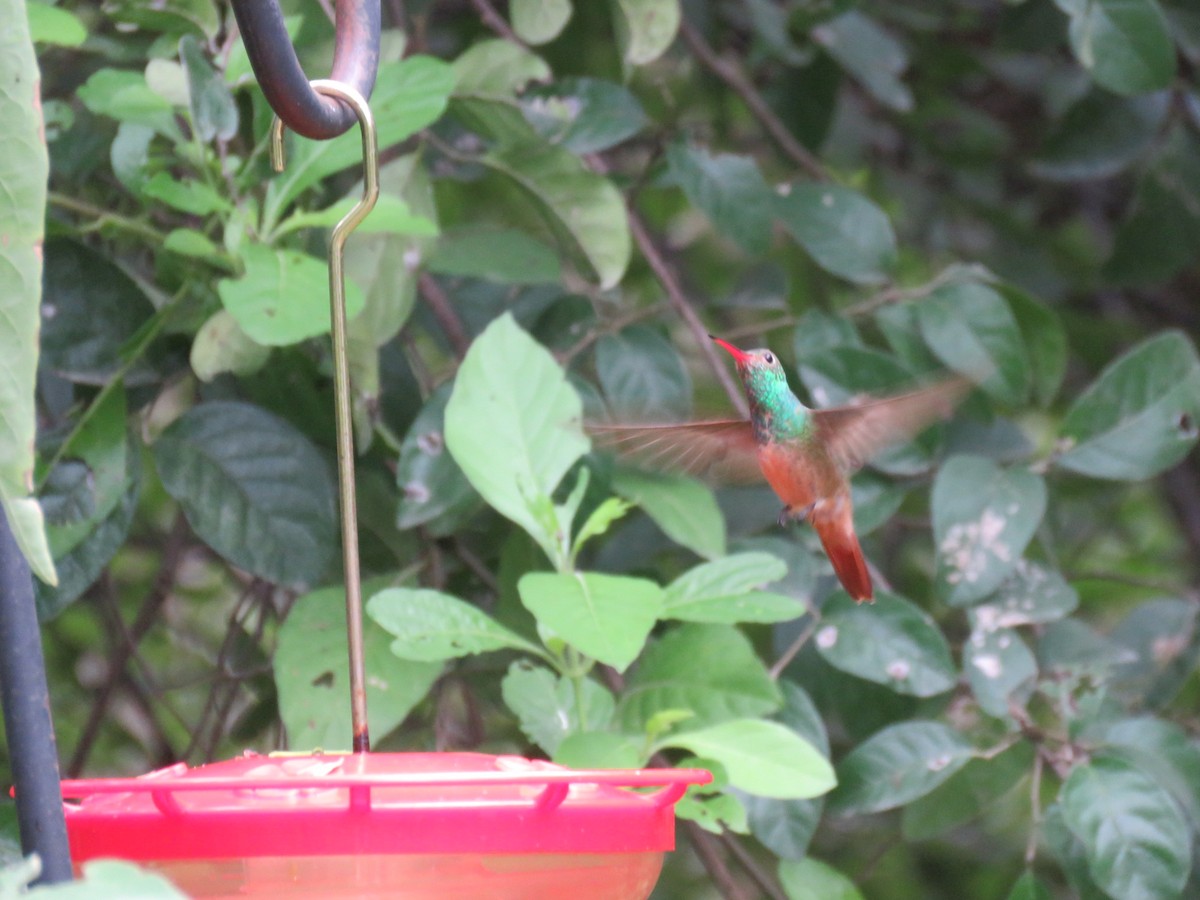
(855, 433)
(722, 450)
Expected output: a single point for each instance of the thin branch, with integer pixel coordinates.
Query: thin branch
(443, 310)
(708, 850)
(495, 21)
(790, 653)
(147, 615)
(1035, 806)
(104, 217)
(765, 882)
(731, 73)
(670, 284)
(610, 327)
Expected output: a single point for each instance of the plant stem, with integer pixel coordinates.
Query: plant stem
(104, 217)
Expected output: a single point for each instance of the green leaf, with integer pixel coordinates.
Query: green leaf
(1136, 840)
(113, 878)
(811, 879)
(969, 793)
(1029, 888)
(54, 25)
(23, 174)
(513, 425)
(1139, 417)
(253, 488)
(711, 670)
(584, 210)
(1101, 135)
(124, 95)
(1124, 44)
(390, 215)
(90, 311)
(682, 507)
(193, 197)
(729, 190)
(645, 28)
(843, 231)
(607, 617)
(1160, 235)
(283, 296)
(1162, 750)
(585, 115)
(214, 114)
(983, 518)
(432, 485)
(539, 21)
(891, 642)
(429, 625)
(1161, 635)
(643, 377)
(312, 678)
(546, 705)
(221, 346)
(714, 812)
(760, 757)
(999, 665)
(723, 591)
(897, 765)
(870, 55)
(503, 255)
(973, 331)
(599, 750)
(1045, 341)
(600, 520)
(1032, 594)
(497, 68)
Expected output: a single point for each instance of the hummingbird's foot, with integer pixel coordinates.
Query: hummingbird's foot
(792, 514)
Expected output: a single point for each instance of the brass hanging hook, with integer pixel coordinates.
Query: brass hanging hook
(341, 388)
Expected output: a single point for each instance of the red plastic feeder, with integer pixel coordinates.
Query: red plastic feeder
(411, 825)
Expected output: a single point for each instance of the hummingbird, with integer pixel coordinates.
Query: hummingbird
(806, 455)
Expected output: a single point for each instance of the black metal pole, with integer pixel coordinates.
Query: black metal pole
(26, 702)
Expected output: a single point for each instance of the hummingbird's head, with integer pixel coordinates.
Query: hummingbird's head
(760, 370)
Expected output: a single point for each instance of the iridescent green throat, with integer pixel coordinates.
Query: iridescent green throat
(775, 412)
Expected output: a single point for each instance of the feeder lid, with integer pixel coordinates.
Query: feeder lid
(398, 803)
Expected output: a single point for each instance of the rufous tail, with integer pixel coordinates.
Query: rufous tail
(836, 530)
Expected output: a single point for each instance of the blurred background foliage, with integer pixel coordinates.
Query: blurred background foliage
(573, 195)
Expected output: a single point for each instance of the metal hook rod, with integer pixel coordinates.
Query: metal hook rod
(341, 389)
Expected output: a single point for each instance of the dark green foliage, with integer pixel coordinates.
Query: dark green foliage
(572, 197)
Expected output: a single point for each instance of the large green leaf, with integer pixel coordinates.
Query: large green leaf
(682, 507)
(539, 21)
(607, 617)
(253, 488)
(1031, 594)
(1101, 135)
(428, 625)
(90, 310)
(1140, 416)
(999, 665)
(513, 425)
(891, 642)
(645, 28)
(968, 793)
(504, 255)
(583, 210)
(1162, 750)
(711, 670)
(983, 518)
(729, 189)
(897, 765)
(843, 231)
(214, 114)
(870, 55)
(644, 379)
(23, 172)
(283, 296)
(433, 487)
(760, 757)
(311, 675)
(1045, 341)
(973, 331)
(811, 879)
(1124, 44)
(548, 706)
(585, 115)
(724, 591)
(1136, 840)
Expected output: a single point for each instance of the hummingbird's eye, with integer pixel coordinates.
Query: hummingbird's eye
(769, 358)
